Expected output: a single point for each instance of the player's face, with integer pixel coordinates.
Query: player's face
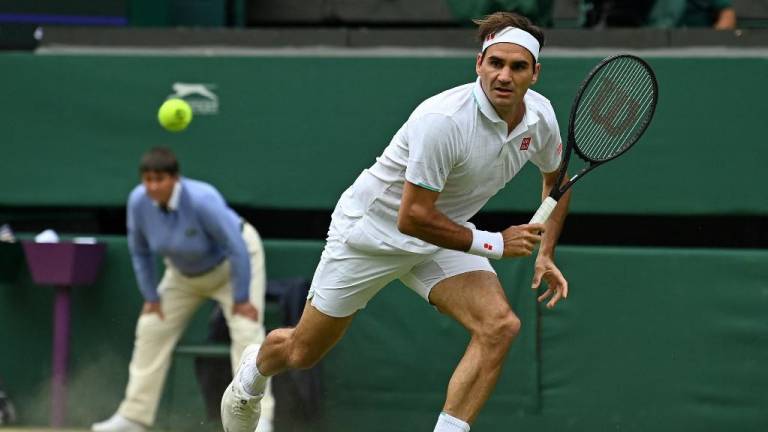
(159, 185)
(506, 71)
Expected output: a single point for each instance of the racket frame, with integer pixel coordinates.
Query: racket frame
(559, 189)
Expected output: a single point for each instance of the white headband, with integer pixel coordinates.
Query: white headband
(516, 36)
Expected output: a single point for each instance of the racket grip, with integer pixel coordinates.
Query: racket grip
(545, 209)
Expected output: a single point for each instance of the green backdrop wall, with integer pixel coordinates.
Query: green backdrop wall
(111, 8)
(293, 132)
(648, 340)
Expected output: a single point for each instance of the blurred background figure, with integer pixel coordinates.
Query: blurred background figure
(210, 252)
(7, 411)
(717, 14)
(616, 13)
(538, 11)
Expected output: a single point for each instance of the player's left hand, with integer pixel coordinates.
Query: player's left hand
(247, 310)
(557, 286)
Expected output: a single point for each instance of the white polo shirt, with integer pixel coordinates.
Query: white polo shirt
(454, 143)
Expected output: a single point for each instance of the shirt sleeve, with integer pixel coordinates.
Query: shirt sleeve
(142, 258)
(216, 219)
(548, 156)
(434, 143)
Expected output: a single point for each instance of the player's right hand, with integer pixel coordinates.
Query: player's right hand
(153, 307)
(520, 240)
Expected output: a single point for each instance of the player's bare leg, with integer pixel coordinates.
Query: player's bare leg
(477, 301)
(303, 346)
(289, 348)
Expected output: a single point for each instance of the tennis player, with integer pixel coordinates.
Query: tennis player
(406, 218)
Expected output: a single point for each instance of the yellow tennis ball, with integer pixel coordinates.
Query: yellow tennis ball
(174, 114)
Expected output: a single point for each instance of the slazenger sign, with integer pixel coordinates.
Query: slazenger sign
(200, 97)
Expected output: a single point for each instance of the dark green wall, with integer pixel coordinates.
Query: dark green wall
(170, 13)
(68, 7)
(648, 340)
(293, 132)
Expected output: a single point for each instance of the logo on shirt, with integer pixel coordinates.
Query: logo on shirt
(525, 144)
(559, 148)
(190, 232)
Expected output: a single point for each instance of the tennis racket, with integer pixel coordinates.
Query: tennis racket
(613, 107)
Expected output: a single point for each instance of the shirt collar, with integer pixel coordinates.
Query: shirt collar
(486, 107)
(173, 202)
(530, 117)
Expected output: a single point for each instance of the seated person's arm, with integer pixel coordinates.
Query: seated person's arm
(726, 19)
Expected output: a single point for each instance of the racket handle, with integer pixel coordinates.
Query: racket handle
(545, 209)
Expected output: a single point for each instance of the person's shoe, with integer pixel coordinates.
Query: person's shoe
(118, 423)
(240, 411)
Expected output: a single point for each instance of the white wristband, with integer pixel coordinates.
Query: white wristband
(487, 244)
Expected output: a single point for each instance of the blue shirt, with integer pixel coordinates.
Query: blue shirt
(196, 236)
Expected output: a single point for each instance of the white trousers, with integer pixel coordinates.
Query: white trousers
(180, 298)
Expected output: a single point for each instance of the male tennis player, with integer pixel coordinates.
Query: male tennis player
(406, 217)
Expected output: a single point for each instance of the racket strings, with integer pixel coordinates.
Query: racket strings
(599, 124)
(601, 146)
(600, 95)
(615, 109)
(612, 110)
(613, 113)
(641, 96)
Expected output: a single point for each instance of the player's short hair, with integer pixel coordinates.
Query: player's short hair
(498, 21)
(159, 159)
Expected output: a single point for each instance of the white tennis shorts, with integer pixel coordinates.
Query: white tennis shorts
(347, 277)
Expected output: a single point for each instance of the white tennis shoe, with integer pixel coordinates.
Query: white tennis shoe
(118, 423)
(240, 411)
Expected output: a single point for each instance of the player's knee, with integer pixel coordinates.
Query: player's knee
(508, 328)
(501, 331)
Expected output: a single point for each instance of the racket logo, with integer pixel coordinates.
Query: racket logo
(614, 109)
(525, 144)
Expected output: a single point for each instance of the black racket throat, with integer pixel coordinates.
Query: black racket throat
(557, 192)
